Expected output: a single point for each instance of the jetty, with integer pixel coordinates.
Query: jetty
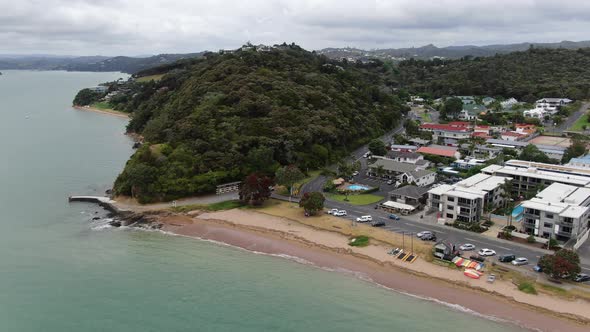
(103, 201)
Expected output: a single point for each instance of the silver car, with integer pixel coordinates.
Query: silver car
(520, 261)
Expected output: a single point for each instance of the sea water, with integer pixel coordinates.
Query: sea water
(62, 271)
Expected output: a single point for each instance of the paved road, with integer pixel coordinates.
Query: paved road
(455, 236)
(569, 121)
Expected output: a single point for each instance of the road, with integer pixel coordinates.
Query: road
(455, 236)
(569, 121)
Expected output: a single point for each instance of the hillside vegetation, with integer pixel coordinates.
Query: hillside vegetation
(527, 75)
(216, 119)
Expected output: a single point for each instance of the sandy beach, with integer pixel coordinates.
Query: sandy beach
(97, 110)
(270, 234)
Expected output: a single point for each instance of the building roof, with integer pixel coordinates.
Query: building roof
(404, 147)
(513, 134)
(554, 100)
(400, 206)
(402, 154)
(399, 167)
(532, 172)
(568, 201)
(410, 191)
(453, 126)
(445, 151)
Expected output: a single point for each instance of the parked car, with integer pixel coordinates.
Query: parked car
(537, 268)
(394, 216)
(340, 213)
(378, 223)
(364, 219)
(582, 277)
(486, 252)
(467, 247)
(332, 211)
(520, 261)
(507, 258)
(355, 173)
(366, 155)
(423, 233)
(428, 237)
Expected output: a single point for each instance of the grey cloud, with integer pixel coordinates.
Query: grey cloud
(152, 26)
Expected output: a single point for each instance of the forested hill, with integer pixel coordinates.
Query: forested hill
(526, 75)
(222, 117)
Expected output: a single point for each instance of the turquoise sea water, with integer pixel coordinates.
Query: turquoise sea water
(60, 272)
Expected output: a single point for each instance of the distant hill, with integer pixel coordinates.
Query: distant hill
(451, 52)
(124, 64)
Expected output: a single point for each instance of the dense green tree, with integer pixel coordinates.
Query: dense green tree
(288, 176)
(532, 153)
(86, 97)
(452, 107)
(377, 147)
(255, 189)
(576, 149)
(564, 264)
(312, 202)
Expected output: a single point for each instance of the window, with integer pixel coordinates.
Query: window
(450, 207)
(547, 225)
(451, 199)
(449, 215)
(549, 215)
(546, 235)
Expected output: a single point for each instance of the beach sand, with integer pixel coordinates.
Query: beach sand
(97, 110)
(269, 234)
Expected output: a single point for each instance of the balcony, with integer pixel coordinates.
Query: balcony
(464, 204)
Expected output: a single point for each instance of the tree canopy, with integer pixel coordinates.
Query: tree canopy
(312, 202)
(255, 189)
(377, 147)
(564, 264)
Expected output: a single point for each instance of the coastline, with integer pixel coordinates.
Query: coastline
(262, 233)
(103, 111)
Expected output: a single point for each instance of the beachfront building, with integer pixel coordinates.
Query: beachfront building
(560, 211)
(453, 130)
(406, 199)
(530, 176)
(466, 201)
(401, 172)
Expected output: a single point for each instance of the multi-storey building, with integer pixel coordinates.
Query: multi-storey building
(560, 211)
(467, 200)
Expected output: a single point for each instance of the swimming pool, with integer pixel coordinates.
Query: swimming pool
(517, 213)
(357, 187)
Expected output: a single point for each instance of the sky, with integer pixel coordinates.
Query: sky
(141, 27)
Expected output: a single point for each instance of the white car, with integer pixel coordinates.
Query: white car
(486, 252)
(364, 219)
(332, 211)
(467, 247)
(339, 213)
(423, 233)
(520, 261)
(355, 173)
(366, 155)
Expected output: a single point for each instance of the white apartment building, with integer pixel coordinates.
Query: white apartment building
(466, 200)
(551, 104)
(560, 211)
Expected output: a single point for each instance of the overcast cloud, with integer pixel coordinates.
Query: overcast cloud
(134, 27)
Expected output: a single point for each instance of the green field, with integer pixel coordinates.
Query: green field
(426, 117)
(102, 105)
(362, 199)
(578, 125)
(150, 78)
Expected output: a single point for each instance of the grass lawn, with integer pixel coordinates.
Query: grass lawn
(102, 105)
(426, 117)
(359, 241)
(361, 199)
(583, 120)
(150, 78)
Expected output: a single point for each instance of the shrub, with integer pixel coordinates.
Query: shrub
(531, 239)
(510, 228)
(527, 287)
(359, 241)
(488, 223)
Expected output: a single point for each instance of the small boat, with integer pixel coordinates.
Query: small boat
(472, 273)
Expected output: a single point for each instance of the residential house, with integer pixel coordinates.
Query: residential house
(453, 130)
(512, 136)
(536, 113)
(467, 163)
(408, 157)
(439, 150)
(402, 172)
(403, 148)
(508, 103)
(552, 104)
(406, 199)
(99, 89)
(471, 112)
(560, 211)
(467, 200)
(419, 141)
(487, 101)
(466, 99)
(530, 176)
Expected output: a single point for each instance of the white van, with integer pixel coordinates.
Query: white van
(364, 219)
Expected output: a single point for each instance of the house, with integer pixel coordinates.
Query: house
(552, 104)
(471, 111)
(488, 100)
(481, 151)
(482, 129)
(582, 162)
(467, 163)
(453, 130)
(403, 148)
(507, 104)
(466, 201)
(407, 157)
(529, 176)
(560, 211)
(552, 151)
(99, 89)
(439, 150)
(410, 195)
(401, 172)
(419, 141)
(512, 136)
(466, 99)
(537, 113)
(417, 99)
